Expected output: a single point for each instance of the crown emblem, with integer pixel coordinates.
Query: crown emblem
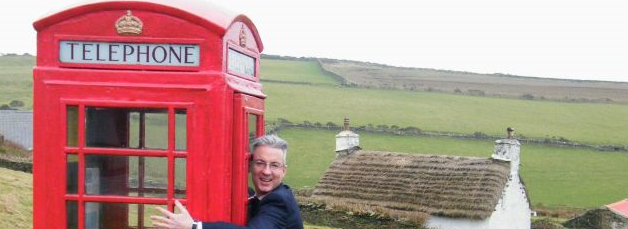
(242, 36)
(129, 24)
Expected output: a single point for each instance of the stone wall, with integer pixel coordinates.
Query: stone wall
(15, 163)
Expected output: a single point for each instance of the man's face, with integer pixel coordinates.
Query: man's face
(268, 169)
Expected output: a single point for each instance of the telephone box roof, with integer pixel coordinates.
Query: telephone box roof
(203, 13)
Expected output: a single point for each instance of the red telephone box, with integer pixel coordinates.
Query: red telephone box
(138, 104)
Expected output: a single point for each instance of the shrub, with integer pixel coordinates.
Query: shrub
(527, 96)
(331, 125)
(476, 92)
(16, 103)
(545, 223)
(284, 122)
(480, 135)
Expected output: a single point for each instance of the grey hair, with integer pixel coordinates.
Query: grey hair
(272, 141)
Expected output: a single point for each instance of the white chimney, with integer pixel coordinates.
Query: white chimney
(346, 141)
(508, 149)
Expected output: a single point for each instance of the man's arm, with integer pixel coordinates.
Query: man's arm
(272, 215)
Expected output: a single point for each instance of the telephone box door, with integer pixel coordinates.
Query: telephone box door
(249, 124)
(122, 157)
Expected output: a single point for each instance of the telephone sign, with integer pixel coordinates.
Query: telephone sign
(129, 53)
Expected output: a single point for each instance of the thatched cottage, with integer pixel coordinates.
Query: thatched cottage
(456, 192)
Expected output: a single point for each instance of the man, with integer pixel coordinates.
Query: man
(273, 206)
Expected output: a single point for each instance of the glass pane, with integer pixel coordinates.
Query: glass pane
(240, 63)
(106, 127)
(72, 174)
(139, 214)
(252, 133)
(72, 125)
(126, 175)
(126, 128)
(71, 210)
(134, 130)
(180, 167)
(119, 215)
(153, 183)
(156, 129)
(180, 129)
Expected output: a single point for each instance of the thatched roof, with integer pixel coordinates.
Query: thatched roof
(461, 187)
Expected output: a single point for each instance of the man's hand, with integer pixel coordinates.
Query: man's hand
(173, 221)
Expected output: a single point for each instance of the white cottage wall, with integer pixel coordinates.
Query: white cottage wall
(438, 222)
(513, 210)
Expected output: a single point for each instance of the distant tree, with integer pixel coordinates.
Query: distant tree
(318, 124)
(331, 125)
(457, 91)
(5, 107)
(307, 123)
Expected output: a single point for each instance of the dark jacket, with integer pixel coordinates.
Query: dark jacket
(277, 210)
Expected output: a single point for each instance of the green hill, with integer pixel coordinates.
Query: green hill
(371, 75)
(300, 91)
(16, 83)
(581, 122)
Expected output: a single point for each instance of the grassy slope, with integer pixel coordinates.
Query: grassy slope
(554, 176)
(592, 123)
(294, 71)
(16, 191)
(15, 80)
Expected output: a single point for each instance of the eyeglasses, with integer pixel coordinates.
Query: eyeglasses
(274, 166)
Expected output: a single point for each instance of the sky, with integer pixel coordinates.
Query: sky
(570, 39)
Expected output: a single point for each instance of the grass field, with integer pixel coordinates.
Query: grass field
(595, 123)
(294, 71)
(16, 192)
(554, 176)
(581, 122)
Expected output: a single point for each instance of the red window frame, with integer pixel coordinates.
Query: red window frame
(81, 150)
